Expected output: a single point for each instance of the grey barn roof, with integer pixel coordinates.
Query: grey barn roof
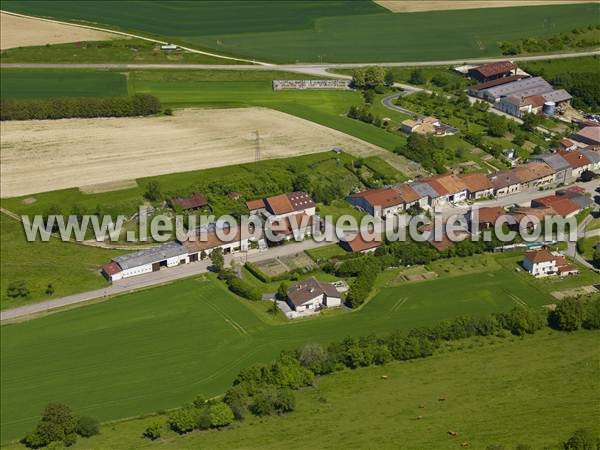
(424, 190)
(151, 255)
(554, 160)
(521, 88)
(593, 156)
(560, 95)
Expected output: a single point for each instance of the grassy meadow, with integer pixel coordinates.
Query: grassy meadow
(125, 51)
(199, 342)
(492, 386)
(61, 83)
(332, 31)
(69, 267)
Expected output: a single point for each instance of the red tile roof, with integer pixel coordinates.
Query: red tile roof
(489, 215)
(561, 205)
(476, 182)
(356, 243)
(540, 256)
(497, 68)
(383, 197)
(575, 159)
(197, 200)
(253, 205)
(111, 268)
(497, 82)
(279, 204)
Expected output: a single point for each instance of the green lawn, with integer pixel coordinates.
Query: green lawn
(70, 268)
(16, 83)
(132, 51)
(492, 397)
(334, 31)
(325, 253)
(191, 346)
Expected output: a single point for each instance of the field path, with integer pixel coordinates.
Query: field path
(319, 69)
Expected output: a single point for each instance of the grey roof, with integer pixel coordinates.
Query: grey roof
(151, 255)
(582, 201)
(521, 88)
(560, 95)
(593, 156)
(554, 160)
(424, 190)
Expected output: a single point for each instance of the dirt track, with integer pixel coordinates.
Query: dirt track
(405, 6)
(46, 155)
(23, 32)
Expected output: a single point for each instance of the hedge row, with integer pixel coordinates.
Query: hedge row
(239, 286)
(257, 272)
(84, 107)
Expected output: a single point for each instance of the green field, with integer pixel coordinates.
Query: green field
(333, 31)
(224, 88)
(493, 397)
(132, 51)
(61, 83)
(97, 358)
(553, 67)
(70, 268)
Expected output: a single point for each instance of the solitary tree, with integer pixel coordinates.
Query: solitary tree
(389, 78)
(153, 191)
(217, 259)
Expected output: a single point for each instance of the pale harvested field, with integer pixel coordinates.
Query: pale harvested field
(405, 6)
(46, 155)
(24, 32)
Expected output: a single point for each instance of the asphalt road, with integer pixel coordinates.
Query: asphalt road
(316, 68)
(154, 279)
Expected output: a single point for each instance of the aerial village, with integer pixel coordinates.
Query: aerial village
(291, 216)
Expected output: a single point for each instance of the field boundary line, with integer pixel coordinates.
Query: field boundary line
(122, 33)
(399, 304)
(236, 326)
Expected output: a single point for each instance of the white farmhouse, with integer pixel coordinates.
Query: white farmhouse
(540, 263)
(312, 295)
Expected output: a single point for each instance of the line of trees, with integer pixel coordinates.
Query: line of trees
(575, 39)
(268, 388)
(79, 107)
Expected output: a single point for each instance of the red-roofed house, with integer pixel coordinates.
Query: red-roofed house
(493, 71)
(196, 201)
(561, 205)
(283, 205)
(578, 162)
(384, 202)
(543, 263)
(356, 243)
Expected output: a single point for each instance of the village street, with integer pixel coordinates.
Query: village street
(166, 275)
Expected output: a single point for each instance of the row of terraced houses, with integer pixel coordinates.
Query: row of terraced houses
(549, 169)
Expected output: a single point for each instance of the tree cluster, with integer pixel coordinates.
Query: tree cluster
(81, 107)
(200, 415)
(60, 425)
(372, 77)
(239, 286)
(574, 39)
(571, 314)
